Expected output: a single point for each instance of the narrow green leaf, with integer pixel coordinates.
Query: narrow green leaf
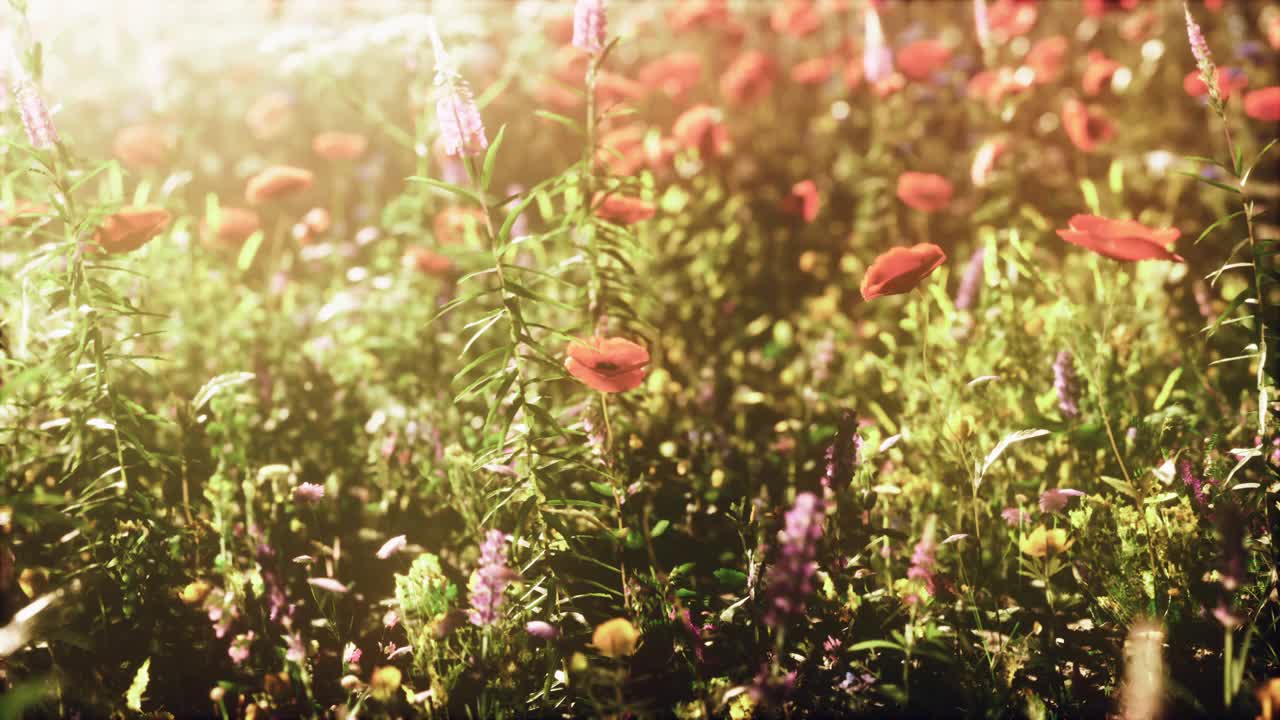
(1213, 183)
(876, 645)
(1169, 384)
(490, 159)
(449, 188)
(731, 578)
(1216, 224)
(249, 250)
(217, 385)
(1091, 199)
(554, 117)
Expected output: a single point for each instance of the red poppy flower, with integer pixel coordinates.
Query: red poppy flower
(622, 150)
(1263, 104)
(1098, 70)
(1140, 26)
(235, 225)
(985, 159)
(557, 97)
(993, 86)
(1097, 8)
(854, 73)
(919, 60)
(22, 212)
(886, 86)
(1120, 239)
(569, 64)
(427, 262)
(276, 182)
(1229, 81)
(1086, 126)
(454, 224)
(749, 78)
(1047, 58)
(700, 128)
(693, 14)
(812, 72)
(675, 74)
(607, 364)
(142, 146)
(797, 18)
(559, 30)
(924, 191)
(131, 227)
(623, 210)
(1011, 18)
(803, 200)
(339, 145)
(901, 269)
(612, 88)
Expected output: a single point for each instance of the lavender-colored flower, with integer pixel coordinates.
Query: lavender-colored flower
(327, 584)
(1251, 51)
(1055, 499)
(824, 353)
(590, 25)
(790, 579)
(1199, 48)
(981, 22)
(1193, 483)
(845, 452)
(542, 630)
(923, 556)
(877, 60)
(461, 128)
(295, 650)
(35, 115)
(971, 281)
(1064, 382)
(1015, 516)
(308, 493)
(240, 647)
(391, 547)
(490, 580)
(460, 122)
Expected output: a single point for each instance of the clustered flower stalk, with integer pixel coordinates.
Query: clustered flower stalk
(1066, 385)
(1209, 75)
(923, 556)
(590, 25)
(461, 126)
(489, 582)
(877, 60)
(790, 579)
(971, 281)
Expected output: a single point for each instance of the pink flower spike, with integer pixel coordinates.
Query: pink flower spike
(590, 25)
(328, 584)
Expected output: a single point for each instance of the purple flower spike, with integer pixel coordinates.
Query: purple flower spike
(35, 116)
(490, 580)
(790, 580)
(590, 25)
(1064, 382)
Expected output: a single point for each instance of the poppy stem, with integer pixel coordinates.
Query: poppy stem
(608, 429)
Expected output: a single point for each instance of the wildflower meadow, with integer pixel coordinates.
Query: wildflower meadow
(640, 359)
